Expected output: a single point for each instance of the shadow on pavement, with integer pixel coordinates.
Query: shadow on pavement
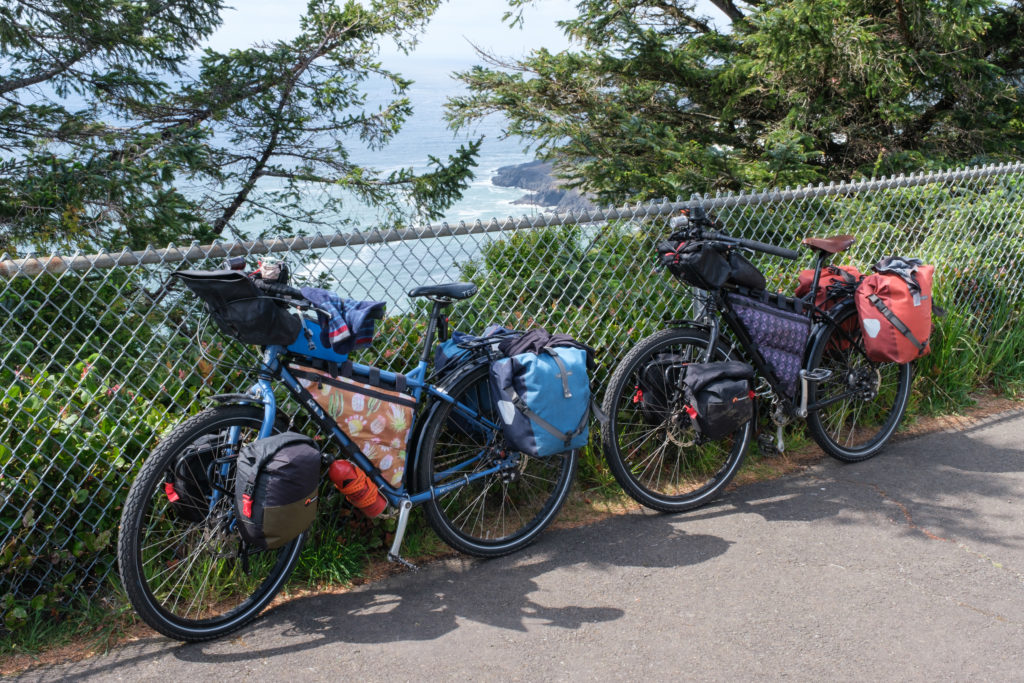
(930, 482)
(425, 605)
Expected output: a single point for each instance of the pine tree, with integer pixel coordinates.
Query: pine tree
(659, 101)
(116, 131)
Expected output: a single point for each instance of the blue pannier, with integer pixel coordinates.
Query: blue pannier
(543, 400)
(449, 353)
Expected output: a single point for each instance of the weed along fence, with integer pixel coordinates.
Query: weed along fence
(100, 357)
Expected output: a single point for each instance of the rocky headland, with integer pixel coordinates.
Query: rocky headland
(545, 190)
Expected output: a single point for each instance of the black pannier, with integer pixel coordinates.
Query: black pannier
(719, 397)
(187, 485)
(239, 309)
(707, 265)
(276, 482)
(657, 384)
(716, 396)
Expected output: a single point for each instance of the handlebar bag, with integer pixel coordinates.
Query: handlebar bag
(706, 265)
(376, 415)
(719, 398)
(239, 309)
(895, 311)
(276, 482)
(778, 330)
(543, 399)
(700, 264)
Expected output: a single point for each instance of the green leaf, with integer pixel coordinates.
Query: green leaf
(16, 617)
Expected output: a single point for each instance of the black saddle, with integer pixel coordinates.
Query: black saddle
(449, 291)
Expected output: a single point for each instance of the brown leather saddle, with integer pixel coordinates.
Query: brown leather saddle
(830, 245)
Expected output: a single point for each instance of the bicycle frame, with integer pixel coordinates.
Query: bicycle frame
(272, 367)
(821, 322)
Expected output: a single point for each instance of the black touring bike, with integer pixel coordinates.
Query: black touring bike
(809, 363)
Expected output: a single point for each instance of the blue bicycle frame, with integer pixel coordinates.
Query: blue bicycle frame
(309, 346)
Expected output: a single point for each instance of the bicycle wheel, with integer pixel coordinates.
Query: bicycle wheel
(865, 400)
(653, 454)
(193, 580)
(499, 513)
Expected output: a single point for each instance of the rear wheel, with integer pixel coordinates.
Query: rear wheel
(187, 573)
(500, 512)
(863, 401)
(652, 449)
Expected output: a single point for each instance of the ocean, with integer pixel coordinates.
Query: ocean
(386, 272)
(426, 134)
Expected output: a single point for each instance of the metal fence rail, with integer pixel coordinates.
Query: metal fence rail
(99, 356)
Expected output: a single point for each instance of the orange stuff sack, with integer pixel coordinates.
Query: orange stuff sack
(896, 320)
(377, 419)
(833, 280)
(835, 283)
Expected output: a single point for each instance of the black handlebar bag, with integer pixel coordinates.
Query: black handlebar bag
(708, 265)
(241, 310)
(700, 264)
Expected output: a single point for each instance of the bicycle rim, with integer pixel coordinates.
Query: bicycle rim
(653, 454)
(195, 580)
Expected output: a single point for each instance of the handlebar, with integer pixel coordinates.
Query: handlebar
(754, 244)
(690, 228)
(280, 290)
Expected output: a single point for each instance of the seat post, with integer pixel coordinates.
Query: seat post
(819, 263)
(436, 315)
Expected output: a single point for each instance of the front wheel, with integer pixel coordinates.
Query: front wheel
(500, 512)
(862, 402)
(184, 567)
(649, 442)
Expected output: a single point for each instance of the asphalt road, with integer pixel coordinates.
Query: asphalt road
(906, 567)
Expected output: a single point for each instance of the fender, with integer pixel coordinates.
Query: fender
(821, 329)
(453, 377)
(237, 399)
(688, 323)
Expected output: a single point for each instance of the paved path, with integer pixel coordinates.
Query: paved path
(906, 567)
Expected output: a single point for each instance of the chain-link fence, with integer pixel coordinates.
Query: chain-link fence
(100, 356)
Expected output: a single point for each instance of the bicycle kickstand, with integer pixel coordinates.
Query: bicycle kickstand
(404, 508)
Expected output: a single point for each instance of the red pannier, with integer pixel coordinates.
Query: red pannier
(833, 279)
(894, 305)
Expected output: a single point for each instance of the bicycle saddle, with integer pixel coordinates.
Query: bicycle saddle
(830, 245)
(448, 290)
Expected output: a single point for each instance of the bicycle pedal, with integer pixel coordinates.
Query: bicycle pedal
(766, 445)
(402, 561)
(816, 375)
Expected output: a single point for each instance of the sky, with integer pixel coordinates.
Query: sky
(447, 38)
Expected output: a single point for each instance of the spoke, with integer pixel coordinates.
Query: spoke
(158, 546)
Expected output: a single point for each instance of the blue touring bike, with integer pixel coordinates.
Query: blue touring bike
(195, 579)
